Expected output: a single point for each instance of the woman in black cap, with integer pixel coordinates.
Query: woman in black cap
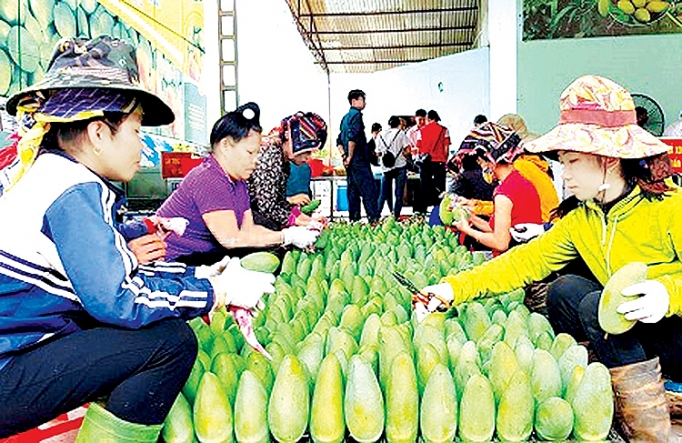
(80, 318)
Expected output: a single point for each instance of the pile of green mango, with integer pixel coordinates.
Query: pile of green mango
(350, 362)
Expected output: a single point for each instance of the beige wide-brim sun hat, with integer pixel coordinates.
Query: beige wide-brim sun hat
(598, 117)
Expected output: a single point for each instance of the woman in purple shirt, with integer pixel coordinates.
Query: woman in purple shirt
(215, 199)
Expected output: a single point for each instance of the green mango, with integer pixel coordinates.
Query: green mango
(438, 409)
(178, 427)
(610, 320)
(212, 415)
(593, 404)
(225, 367)
(561, 343)
(574, 356)
(427, 359)
(370, 330)
(260, 261)
(363, 402)
(503, 364)
(554, 419)
(250, 410)
(402, 401)
(514, 327)
(289, 402)
(516, 409)
(468, 365)
(340, 339)
(537, 325)
(545, 376)
(192, 384)
(310, 353)
(477, 410)
(259, 366)
(352, 320)
(573, 383)
(475, 320)
(490, 338)
(326, 414)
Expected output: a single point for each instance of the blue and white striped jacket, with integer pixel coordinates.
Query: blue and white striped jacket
(62, 258)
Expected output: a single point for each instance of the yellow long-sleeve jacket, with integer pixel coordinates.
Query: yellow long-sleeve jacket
(635, 229)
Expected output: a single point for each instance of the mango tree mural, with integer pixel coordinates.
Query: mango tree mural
(549, 19)
(167, 34)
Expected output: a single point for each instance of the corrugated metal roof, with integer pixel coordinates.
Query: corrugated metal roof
(371, 35)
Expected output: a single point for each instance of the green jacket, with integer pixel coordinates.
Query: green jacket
(635, 229)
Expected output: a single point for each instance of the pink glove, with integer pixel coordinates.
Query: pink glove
(293, 215)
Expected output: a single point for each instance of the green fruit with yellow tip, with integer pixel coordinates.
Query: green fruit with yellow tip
(603, 7)
(642, 15)
(626, 6)
(657, 6)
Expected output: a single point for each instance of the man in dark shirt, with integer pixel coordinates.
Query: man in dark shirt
(353, 142)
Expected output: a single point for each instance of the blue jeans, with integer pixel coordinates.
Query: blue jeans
(399, 175)
(572, 307)
(361, 185)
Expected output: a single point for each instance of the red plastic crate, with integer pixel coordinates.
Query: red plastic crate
(62, 429)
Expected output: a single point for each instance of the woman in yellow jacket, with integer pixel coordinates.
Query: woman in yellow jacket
(626, 213)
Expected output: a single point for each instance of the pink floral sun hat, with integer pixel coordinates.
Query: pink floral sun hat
(598, 117)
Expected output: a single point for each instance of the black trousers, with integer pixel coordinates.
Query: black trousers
(361, 184)
(431, 185)
(572, 307)
(140, 371)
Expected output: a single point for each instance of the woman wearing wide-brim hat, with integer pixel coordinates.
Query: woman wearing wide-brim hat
(80, 319)
(625, 213)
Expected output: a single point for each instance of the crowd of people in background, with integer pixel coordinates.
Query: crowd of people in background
(420, 146)
(499, 184)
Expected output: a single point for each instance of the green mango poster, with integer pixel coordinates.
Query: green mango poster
(552, 19)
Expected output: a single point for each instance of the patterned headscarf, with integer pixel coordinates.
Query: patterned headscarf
(493, 142)
(35, 113)
(307, 131)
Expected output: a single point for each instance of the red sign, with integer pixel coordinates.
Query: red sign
(177, 164)
(675, 153)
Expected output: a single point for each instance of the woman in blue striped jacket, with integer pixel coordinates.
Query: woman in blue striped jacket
(80, 319)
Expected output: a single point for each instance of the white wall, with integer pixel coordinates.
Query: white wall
(503, 34)
(276, 70)
(457, 86)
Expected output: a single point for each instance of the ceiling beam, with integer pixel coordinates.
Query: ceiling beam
(396, 12)
(369, 48)
(388, 31)
(376, 62)
(308, 37)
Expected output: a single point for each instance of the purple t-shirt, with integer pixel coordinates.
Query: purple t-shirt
(205, 189)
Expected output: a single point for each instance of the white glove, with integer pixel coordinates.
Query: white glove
(215, 269)
(240, 287)
(299, 236)
(651, 307)
(315, 225)
(524, 232)
(442, 295)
